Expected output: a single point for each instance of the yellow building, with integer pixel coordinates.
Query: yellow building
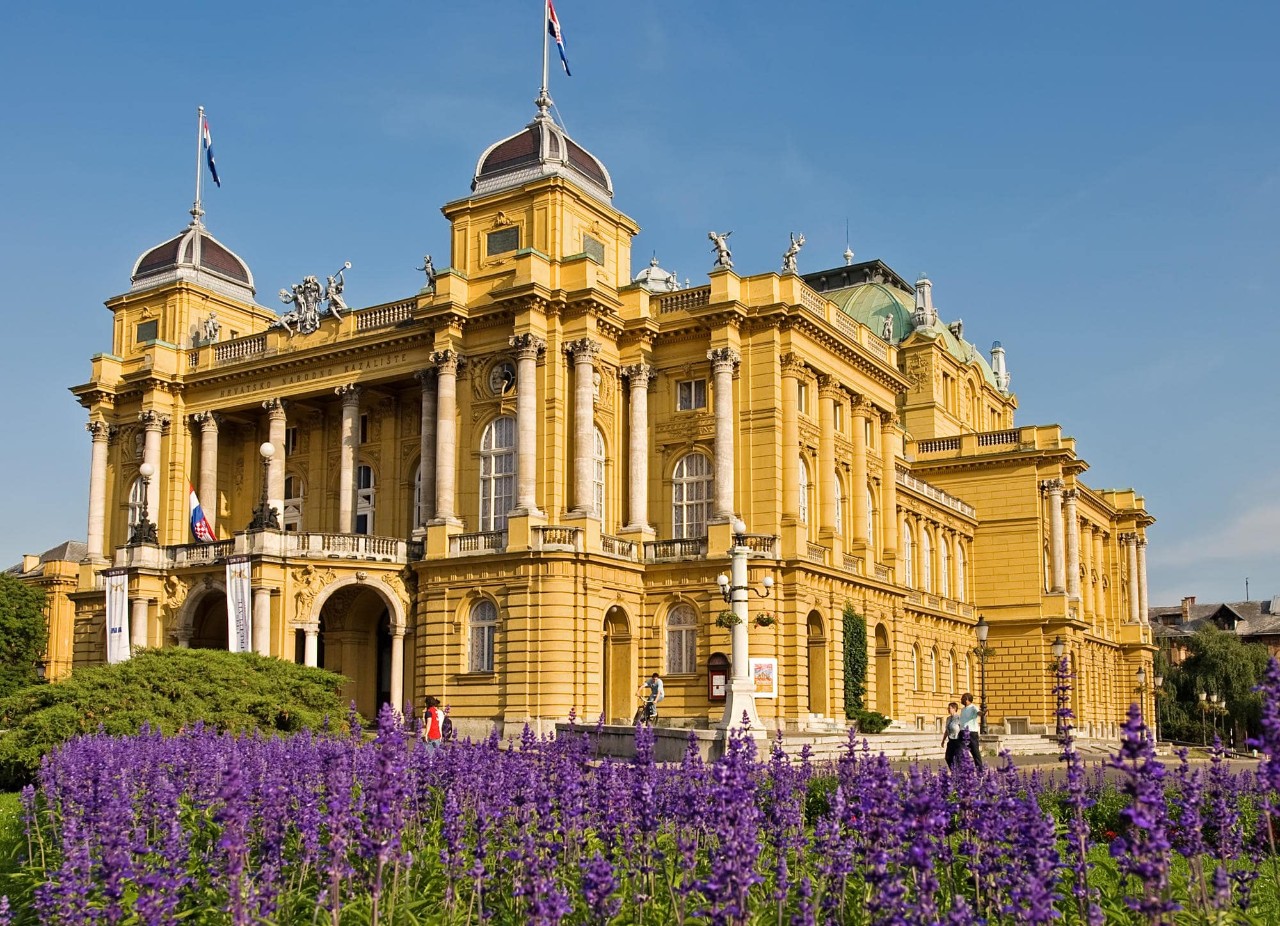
(514, 489)
(55, 572)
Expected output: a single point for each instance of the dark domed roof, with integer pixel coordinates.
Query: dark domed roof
(197, 256)
(540, 149)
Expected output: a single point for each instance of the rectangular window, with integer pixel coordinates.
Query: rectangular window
(502, 241)
(837, 417)
(682, 651)
(364, 429)
(691, 394)
(148, 331)
(290, 441)
(593, 249)
(802, 398)
(482, 647)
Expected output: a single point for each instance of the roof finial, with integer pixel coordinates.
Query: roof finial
(848, 251)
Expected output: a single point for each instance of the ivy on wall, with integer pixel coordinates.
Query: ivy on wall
(855, 662)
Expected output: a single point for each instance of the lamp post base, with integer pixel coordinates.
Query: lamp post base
(740, 699)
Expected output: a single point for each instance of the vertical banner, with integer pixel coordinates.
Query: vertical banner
(239, 603)
(117, 614)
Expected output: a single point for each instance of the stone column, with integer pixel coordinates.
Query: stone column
(183, 636)
(101, 433)
(1141, 543)
(311, 645)
(1073, 543)
(638, 375)
(208, 423)
(1131, 543)
(527, 348)
(275, 409)
(828, 397)
(723, 361)
(891, 449)
(350, 395)
(138, 629)
(153, 424)
(1100, 564)
(1090, 570)
(448, 363)
(858, 477)
(427, 445)
(583, 352)
(1052, 489)
(792, 371)
(397, 669)
(260, 632)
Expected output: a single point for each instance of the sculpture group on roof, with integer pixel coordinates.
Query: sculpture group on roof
(306, 297)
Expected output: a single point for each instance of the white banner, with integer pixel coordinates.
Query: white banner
(117, 614)
(239, 605)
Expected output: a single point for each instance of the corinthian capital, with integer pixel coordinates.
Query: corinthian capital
(723, 359)
(583, 349)
(206, 421)
(448, 361)
(275, 407)
(1051, 486)
(639, 375)
(350, 394)
(153, 420)
(527, 346)
(100, 430)
(1070, 495)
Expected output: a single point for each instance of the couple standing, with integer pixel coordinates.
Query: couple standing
(961, 720)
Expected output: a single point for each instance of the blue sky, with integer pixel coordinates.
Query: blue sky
(1095, 185)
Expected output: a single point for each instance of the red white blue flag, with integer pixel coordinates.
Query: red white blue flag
(199, 523)
(553, 27)
(208, 150)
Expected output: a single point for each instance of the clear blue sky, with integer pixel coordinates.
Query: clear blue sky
(1095, 185)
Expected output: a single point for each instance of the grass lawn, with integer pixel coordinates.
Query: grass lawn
(13, 841)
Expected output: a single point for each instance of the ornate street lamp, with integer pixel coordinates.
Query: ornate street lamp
(264, 516)
(1213, 709)
(1061, 688)
(983, 652)
(1157, 690)
(1204, 723)
(144, 530)
(1142, 691)
(741, 696)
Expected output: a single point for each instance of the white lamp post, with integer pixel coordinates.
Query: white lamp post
(144, 531)
(264, 516)
(740, 699)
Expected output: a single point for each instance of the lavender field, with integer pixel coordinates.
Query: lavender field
(342, 829)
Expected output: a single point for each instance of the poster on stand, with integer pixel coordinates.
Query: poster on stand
(239, 603)
(117, 614)
(764, 675)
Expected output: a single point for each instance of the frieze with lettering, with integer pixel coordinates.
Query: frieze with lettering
(276, 383)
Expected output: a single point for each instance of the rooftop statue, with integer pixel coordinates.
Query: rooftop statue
(724, 257)
(430, 270)
(789, 258)
(333, 291)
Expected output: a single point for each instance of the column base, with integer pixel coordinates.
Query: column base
(740, 699)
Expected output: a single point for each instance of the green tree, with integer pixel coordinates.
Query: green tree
(855, 662)
(24, 633)
(166, 690)
(1219, 663)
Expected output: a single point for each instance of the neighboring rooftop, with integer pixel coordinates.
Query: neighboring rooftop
(69, 551)
(1245, 618)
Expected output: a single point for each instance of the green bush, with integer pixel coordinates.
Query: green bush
(817, 797)
(855, 661)
(166, 690)
(871, 721)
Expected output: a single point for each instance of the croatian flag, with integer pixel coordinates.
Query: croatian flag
(199, 523)
(208, 152)
(553, 27)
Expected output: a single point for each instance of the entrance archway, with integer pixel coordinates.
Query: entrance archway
(884, 672)
(616, 683)
(209, 622)
(355, 641)
(818, 689)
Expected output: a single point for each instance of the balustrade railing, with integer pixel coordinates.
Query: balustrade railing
(911, 482)
(882, 572)
(348, 546)
(187, 554)
(660, 551)
(853, 564)
(616, 546)
(762, 545)
(553, 536)
(995, 438)
(479, 542)
(684, 300)
(817, 553)
(385, 316)
(938, 444)
(248, 346)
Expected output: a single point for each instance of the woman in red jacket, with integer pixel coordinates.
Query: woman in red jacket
(431, 723)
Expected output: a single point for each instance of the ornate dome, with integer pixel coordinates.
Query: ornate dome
(197, 257)
(540, 149)
(655, 279)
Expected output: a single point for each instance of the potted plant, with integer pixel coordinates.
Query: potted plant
(765, 620)
(727, 618)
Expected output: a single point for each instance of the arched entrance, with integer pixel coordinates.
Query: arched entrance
(616, 683)
(355, 641)
(818, 688)
(209, 621)
(884, 672)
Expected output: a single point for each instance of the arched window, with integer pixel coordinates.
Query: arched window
(294, 493)
(951, 668)
(690, 496)
(915, 666)
(597, 477)
(804, 491)
(944, 566)
(483, 622)
(497, 473)
(961, 577)
(137, 496)
(364, 499)
(682, 640)
(926, 560)
(908, 558)
(935, 669)
(838, 489)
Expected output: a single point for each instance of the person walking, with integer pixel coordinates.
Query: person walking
(431, 730)
(951, 735)
(971, 727)
(651, 692)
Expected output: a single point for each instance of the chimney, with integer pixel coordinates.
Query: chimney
(1187, 604)
(29, 561)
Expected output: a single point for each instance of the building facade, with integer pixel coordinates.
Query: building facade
(515, 488)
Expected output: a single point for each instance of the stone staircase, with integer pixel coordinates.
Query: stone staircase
(901, 744)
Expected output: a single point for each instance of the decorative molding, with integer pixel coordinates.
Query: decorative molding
(723, 359)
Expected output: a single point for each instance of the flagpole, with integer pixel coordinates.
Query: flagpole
(196, 210)
(546, 34)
